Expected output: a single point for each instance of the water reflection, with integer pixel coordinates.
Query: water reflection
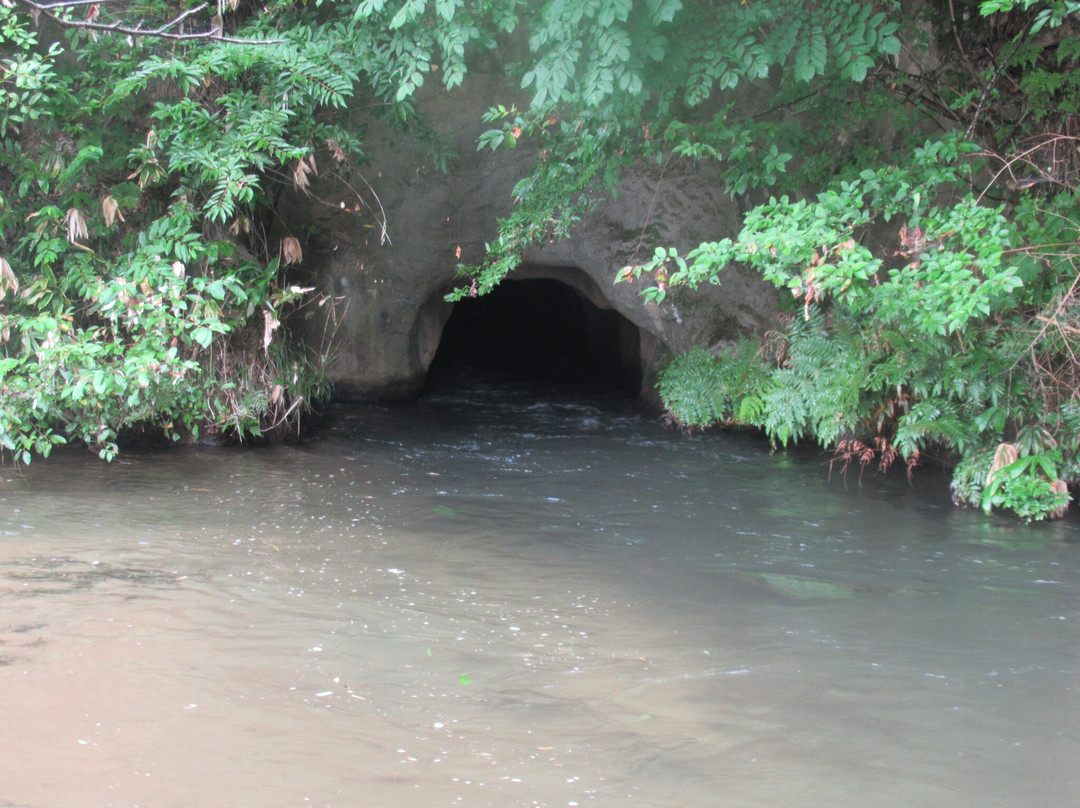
(484, 600)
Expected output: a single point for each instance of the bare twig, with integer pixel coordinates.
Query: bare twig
(956, 33)
(652, 206)
(1048, 140)
(212, 34)
(384, 235)
(65, 3)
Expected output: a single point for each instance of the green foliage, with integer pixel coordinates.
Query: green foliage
(929, 286)
(800, 383)
(26, 73)
(141, 161)
(924, 318)
(814, 390)
(1052, 15)
(125, 303)
(700, 389)
(1025, 487)
(926, 345)
(612, 81)
(969, 477)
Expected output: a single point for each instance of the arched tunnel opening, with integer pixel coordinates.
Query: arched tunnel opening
(539, 331)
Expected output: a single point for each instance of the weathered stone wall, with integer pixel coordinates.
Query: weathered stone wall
(390, 311)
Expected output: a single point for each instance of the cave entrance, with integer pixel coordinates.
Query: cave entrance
(542, 331)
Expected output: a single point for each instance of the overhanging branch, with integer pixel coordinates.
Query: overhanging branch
(212, 34)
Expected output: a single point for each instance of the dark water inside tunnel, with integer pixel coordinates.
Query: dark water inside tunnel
(499, 595)
(538, 331)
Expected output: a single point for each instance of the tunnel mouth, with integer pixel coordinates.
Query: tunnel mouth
(539, 332)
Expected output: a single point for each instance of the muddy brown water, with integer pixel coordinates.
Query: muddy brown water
(494, 599)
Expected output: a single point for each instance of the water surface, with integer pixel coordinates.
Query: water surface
(495, 599)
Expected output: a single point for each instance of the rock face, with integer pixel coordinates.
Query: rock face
(386, 241)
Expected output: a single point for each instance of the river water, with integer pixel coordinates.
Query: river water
(495, 599)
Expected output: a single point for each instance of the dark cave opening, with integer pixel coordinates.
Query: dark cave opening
(538, 331)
